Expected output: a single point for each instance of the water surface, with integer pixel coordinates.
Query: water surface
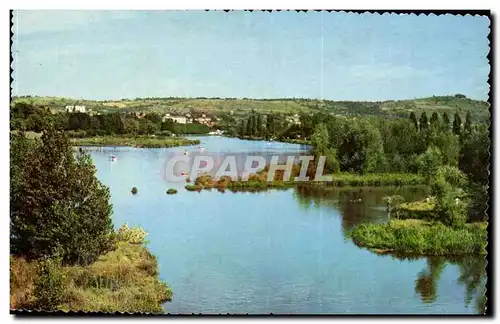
(278, 251)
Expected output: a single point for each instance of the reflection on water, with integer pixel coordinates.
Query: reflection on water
(365, 205)
(357, 205)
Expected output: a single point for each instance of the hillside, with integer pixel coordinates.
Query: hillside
(479, 109)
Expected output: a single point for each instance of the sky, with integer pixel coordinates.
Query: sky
(337, 56)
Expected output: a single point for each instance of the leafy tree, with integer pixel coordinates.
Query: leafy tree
(131, 126)
(270, 125)
(446, 121)
(468, 124)
(457, 125)
(423, 121)
(434, 121)
(243, 128)
(413, 119)
(58, 207)
(259, 131)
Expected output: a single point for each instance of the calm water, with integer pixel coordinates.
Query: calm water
(277, 251)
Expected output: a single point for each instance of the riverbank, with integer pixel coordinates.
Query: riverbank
(135, 141)
(123, 280)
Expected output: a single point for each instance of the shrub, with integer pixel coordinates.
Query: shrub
(134, 235)
(49, 286)
(134, 190)
(58, 206)
(193, 187)
(171, 191)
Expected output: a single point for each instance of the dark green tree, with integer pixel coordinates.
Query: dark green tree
(457, 125)
(413, 119)
(468, 124)
(446, 121)
(58, 206)
(259, 131)
(423, 121)
(434, 121)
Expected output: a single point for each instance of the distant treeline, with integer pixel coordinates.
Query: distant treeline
(28, 117)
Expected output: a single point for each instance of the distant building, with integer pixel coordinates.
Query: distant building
(75, 108)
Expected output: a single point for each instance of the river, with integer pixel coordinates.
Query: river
(278, 251)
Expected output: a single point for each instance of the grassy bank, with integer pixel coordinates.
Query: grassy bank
(259, 181)
(421, 237)
(124, 280)
(136, 141)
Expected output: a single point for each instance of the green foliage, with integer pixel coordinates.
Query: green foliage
(413, 119)
(136, 141)
(457, 124)
(446, 121)
(171, 191)
(58, 206)
(49, 286)
(429, 161)
(422, 238)
(423, 123)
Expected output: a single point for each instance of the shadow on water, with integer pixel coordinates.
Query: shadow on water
(366, 205)
(472, 275)
(356, 205)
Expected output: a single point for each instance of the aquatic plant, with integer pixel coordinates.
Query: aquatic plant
(171, 191)
(414, 236)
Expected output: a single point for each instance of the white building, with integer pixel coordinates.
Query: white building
(75, 108)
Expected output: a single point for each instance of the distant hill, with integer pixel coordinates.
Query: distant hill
(479, 109)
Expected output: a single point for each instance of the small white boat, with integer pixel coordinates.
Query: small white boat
(185, 152)
(112, 158)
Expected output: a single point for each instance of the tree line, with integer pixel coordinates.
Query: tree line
(27, 117)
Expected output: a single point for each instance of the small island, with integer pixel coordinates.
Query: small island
(134, 141)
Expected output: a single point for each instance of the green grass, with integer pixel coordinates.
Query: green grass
(258, 182)
(138, 141)
(420, 237)
(415, 210)
(123, 280)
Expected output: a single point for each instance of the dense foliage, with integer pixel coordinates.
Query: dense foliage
(57, 207)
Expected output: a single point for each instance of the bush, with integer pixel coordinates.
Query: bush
(49, 286)
(134, 235)
(134, 190)
(193, 187)
(58, 207)
(171, 191)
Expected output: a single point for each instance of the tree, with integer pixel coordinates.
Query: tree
(259, 131)
(468, 124)
(413, 119)
(423, 121)
(434, 121)
(457, 125)
(270, 125)
(58, 207)
(243, 128)
(446, 121)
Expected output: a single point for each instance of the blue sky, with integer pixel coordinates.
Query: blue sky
(338, 56)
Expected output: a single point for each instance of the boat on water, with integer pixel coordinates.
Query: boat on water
(185, 152)
(113, 158)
